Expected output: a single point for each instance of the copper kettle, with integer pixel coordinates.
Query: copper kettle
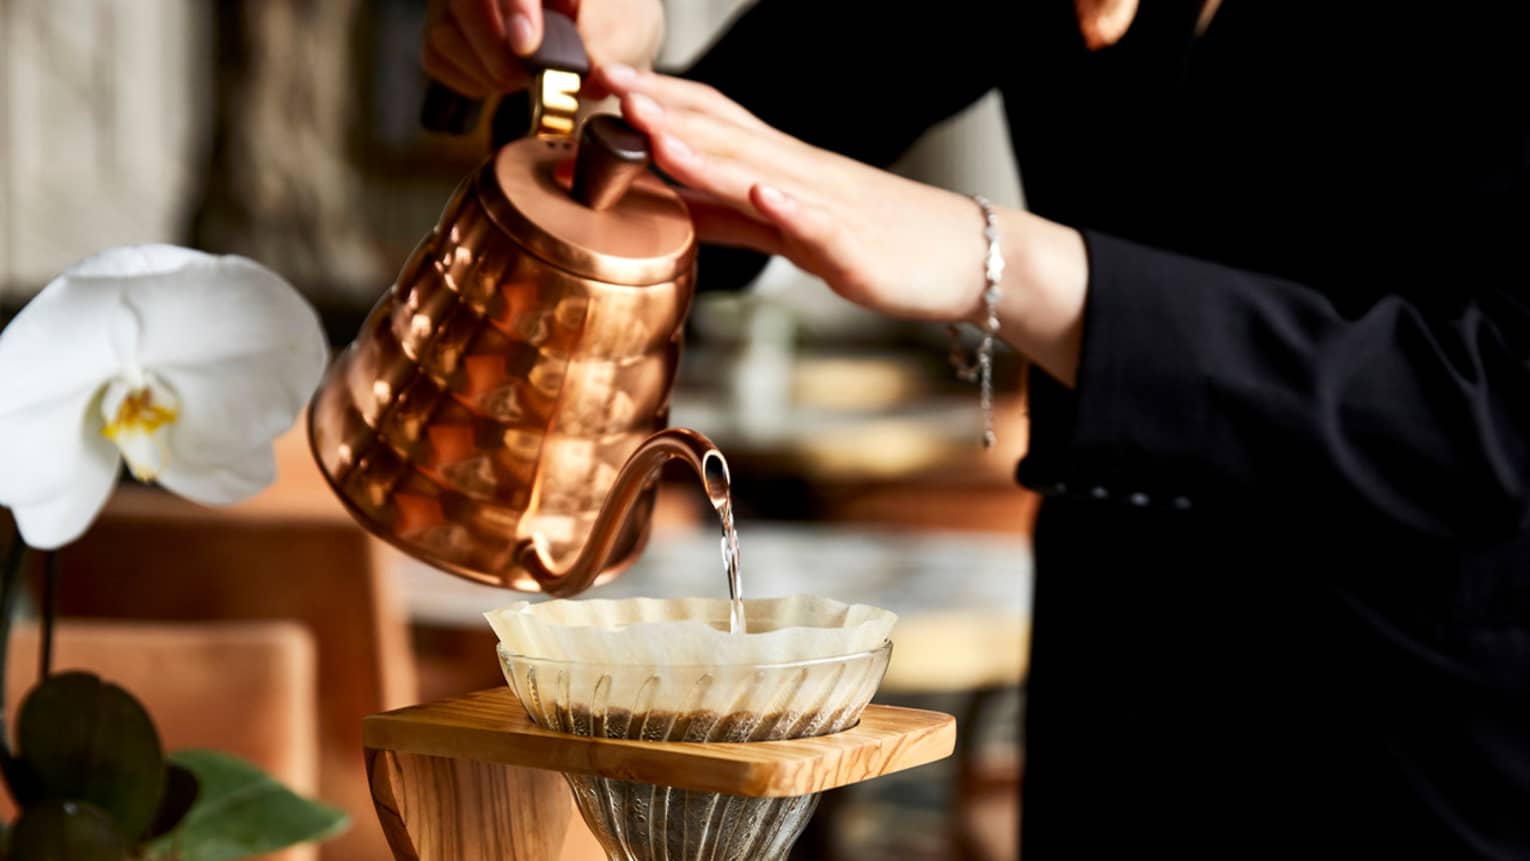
(501, 414)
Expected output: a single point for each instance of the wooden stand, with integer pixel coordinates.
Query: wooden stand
(472, 778)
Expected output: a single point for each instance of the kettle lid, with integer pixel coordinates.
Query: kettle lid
(602, 215)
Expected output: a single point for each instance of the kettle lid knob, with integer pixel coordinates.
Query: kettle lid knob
(611, 155)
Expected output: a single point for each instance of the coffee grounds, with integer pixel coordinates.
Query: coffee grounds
(702, 726)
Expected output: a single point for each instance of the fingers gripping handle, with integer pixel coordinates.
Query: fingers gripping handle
(447, 111)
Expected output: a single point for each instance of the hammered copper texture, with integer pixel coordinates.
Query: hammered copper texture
(492, 397)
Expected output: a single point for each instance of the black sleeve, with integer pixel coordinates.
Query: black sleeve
(1200, 382)
(863, 78)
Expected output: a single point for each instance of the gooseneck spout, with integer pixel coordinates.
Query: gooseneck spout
(682, 444)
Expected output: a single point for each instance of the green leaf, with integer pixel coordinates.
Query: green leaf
(86, 740)
(67, 831)
(241, 811)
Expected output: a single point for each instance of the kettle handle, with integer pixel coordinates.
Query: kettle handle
(447, 111)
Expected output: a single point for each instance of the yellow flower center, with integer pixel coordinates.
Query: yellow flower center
(138, 414)
(137, 419)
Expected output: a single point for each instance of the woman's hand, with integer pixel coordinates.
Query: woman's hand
(884, 242)
(474, 46)
(888, 243)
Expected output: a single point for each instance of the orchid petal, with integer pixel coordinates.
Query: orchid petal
(231, 480)
(50, 522)
(229, 407)
(137, 261)
(210, 309)
(66, 343)
(40, 448)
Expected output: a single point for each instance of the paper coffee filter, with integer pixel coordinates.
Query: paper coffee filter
(671, 669)
(689, 631)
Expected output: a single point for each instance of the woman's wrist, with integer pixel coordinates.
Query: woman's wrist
(1041, 296)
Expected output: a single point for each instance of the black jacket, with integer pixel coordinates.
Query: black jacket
(1283, 574)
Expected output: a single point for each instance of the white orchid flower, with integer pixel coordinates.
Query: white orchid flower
(183, 364)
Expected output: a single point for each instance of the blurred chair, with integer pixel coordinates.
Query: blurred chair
(289, 554)
(244, 688)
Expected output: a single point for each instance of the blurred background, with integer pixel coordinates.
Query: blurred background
(287, 131)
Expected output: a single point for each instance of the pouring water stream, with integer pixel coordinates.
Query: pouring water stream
(720, 494)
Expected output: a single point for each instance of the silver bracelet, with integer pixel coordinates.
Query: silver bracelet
(981, 366)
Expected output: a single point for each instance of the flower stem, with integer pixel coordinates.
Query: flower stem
(50, 589)
(15, 560)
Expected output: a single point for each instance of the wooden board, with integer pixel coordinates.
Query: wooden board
(433, 808)
(491, 726)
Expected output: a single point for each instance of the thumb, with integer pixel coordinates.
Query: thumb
(523, 24)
